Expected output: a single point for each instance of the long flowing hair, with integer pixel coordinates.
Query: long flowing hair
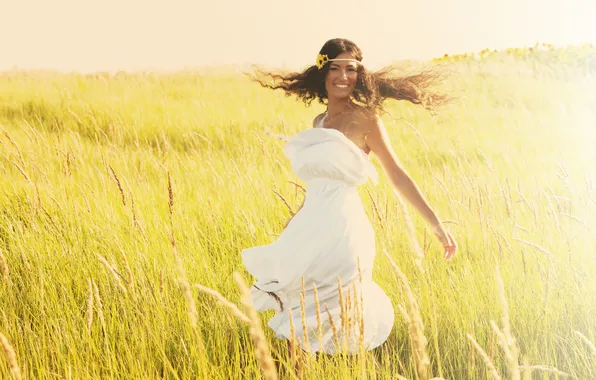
(372, 87)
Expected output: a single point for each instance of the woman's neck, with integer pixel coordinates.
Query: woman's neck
(337, 106)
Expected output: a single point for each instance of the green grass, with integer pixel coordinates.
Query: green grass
(511, 162)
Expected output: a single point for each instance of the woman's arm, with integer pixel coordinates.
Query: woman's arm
(378, 141)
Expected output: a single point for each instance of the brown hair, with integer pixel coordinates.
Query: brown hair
(372, 88)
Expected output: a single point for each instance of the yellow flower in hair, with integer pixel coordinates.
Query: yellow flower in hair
(322, 59)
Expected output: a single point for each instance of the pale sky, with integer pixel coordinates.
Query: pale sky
(108, 35)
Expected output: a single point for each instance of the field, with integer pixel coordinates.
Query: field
(120, 193)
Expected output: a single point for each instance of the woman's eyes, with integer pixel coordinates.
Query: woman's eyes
(352, 69)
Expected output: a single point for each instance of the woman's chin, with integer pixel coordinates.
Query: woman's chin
(340, 95)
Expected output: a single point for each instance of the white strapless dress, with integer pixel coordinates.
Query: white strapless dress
(325, 240)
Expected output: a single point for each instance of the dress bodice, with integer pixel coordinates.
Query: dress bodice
(325, 153)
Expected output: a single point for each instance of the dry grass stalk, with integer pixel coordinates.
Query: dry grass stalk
(376, 210)
(117, 276)
(298, 186)
(99, 304)
(509, 345)
(411, 233)
(49, 217)
(182, 280)
(435, 333)
(15, 145)
(292, 342)
(68, 171)
(303, 316)
(544, 369)
(489, 364)
(415, 325)
(135, 221)
(501, 339)
(185, 286)
(536, 246)
(359, 317)
(11, 357)
(89, 316)
(258, 337)
(23, 172)
(292, 213)
(118, 184)
(4, 267)
(318, 310)
(527, 372)
(333, 328)
(342, 314)
(224, 302)
(572, 217)
(161, 286)
(587, 342)
(361, 309)
(349, 320)
(170, 196)
(129, 277)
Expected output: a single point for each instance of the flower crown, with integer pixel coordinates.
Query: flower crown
(322, 59)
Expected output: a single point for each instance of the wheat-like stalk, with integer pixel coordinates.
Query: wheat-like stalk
(349, 318)
(11, 357)
(4, 267)
(318, 310)
(544, 368)
(376, 210)
(258, 337)
(68, 164)
(292, 213)
(333, 328)
(489, 364)
(415, 324)
(15, 145)
(161, 284)
(302, 189)
(170, 196)
(224, 302)
(129, 277)
(185, 286)
(303, 316)
(89, 316)
(182, 279)
(292, 342)
(509, 345)
(535, 246)
(587, 342)
(342, 314)
(99, 304)
(23, 173)
(361, 309)
(119, 185)
(117, 276)
(135, 221)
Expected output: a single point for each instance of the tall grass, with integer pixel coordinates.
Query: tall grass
(125, 198)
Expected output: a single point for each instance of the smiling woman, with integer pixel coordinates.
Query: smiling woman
(327, 249)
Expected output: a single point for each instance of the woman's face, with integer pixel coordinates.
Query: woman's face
(342, 76)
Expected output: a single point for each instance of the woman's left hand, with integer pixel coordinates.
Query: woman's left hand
(448, 242)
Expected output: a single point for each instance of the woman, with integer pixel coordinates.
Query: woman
(318, 274)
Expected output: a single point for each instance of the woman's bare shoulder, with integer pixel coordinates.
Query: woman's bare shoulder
(366, 119)
(317, 119)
